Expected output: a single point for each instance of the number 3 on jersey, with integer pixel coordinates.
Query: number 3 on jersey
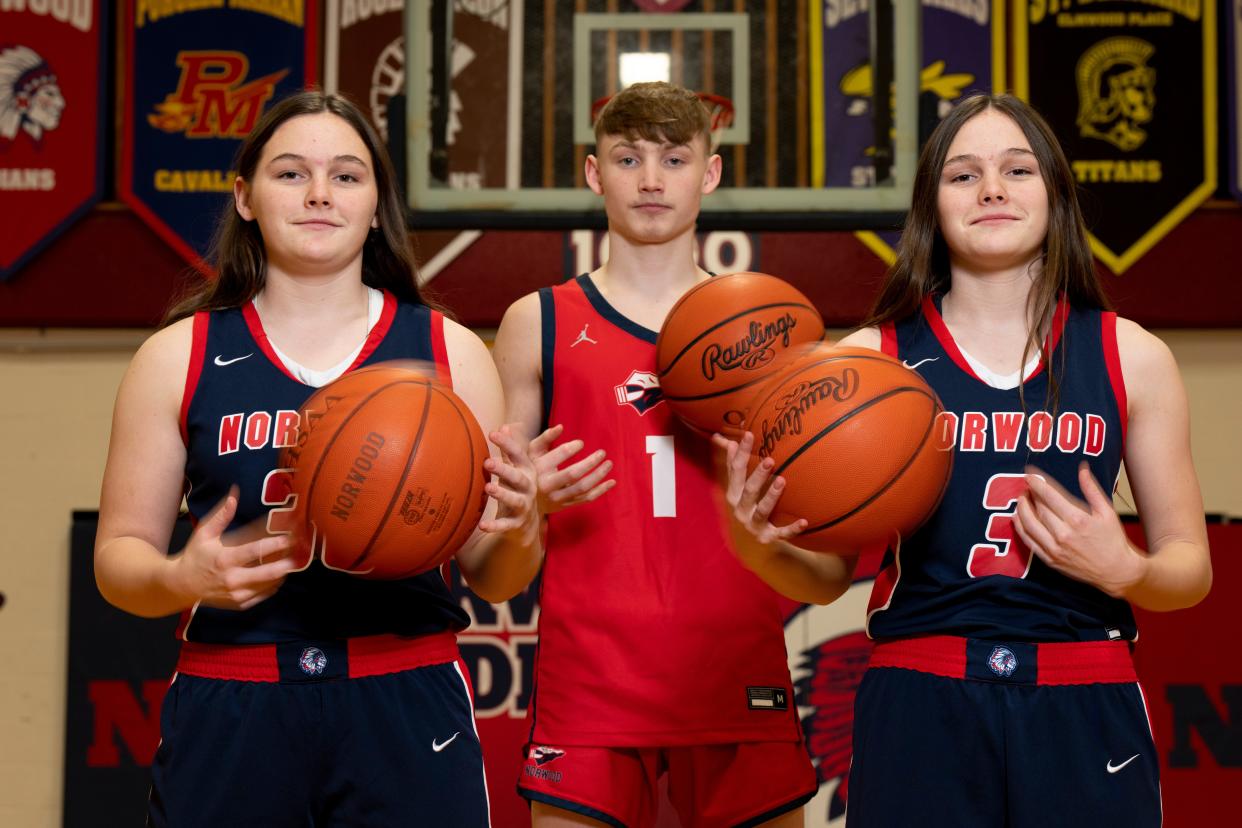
(663, 475)
(1007, 554)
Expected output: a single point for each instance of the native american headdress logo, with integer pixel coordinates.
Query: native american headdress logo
(30, 97)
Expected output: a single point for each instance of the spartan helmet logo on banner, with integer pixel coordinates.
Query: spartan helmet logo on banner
(30, 97)
(1116, 91)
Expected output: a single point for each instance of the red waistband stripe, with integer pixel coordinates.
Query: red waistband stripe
(1075, 662)
(364, 656)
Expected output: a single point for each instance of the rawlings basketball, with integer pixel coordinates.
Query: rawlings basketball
(388, 472)
(859, 439)
(723, 339)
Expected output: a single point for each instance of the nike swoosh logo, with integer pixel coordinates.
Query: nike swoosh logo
(920, 362)
(1114, 768)
(221, 361)
(439, 746)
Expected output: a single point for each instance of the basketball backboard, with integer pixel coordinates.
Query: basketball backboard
(501, 94)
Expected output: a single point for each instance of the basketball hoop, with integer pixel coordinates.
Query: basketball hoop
(719, 110)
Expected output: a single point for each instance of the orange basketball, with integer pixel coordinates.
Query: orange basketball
(859, 439)
(722, 340)
(388, 472)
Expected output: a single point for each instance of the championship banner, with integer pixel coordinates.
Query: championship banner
(1129, 87)
(963, 53)
(52, 74)
(198, 74)
(1234, 68)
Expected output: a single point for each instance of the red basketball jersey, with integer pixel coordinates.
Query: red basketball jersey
(652, 633)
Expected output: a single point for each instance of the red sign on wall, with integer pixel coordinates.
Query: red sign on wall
(51, 89)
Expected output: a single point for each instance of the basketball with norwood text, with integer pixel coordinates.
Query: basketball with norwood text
(723, 339)
(387, 472)
(860, 441)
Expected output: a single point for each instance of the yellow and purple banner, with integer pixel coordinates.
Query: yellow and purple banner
(198, 75)
(1130, 90)
(51, 99)
(963, 53)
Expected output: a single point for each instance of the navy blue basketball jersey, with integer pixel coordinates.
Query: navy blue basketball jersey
(966, 572)
(239, 409)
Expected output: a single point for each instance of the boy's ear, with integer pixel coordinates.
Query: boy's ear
(591, 168)
(711, 176)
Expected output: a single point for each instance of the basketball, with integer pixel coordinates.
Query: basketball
(858, 438)
(723, 339)
(388, 472)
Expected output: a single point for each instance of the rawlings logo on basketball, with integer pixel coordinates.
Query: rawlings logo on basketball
(1002, 661)
(755, 350)
(313, 661)
(791, 408)
(641, 389)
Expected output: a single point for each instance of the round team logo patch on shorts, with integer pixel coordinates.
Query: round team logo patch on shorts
(313, 661)
(1002, 661)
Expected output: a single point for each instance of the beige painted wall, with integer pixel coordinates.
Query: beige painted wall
(56, 393)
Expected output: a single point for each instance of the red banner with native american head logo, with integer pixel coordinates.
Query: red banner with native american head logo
(51, 89)
(197, 78)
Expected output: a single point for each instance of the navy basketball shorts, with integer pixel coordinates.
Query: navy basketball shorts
(954, 731)
(737, 784)
(373, 731)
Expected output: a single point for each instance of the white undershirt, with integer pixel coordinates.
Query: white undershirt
(1002, 381)
(318, 379)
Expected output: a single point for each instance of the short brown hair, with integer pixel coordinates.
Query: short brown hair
(655, 111)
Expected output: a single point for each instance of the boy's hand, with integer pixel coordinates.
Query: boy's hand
(579, 482)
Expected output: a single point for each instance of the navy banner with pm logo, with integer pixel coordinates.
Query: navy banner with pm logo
(51, 134)
(1130, 90)
(198, 74)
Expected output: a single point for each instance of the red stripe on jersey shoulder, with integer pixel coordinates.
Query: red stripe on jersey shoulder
(1112, 359)
(439, 348)
(255, 324)
(888, 339)
(198, 348)
(378, 332)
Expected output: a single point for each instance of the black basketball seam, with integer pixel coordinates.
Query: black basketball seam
(327, 450)
(810, 441)
(461, 417)
(396, 493)
(944, 486)
(698, 397)
(757, 404)
(888, 484)
(692, 342)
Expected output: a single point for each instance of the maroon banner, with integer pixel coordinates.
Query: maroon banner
(364, 55)
(51, 89)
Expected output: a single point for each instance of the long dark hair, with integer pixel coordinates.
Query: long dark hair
(922, 266)
(237, 252)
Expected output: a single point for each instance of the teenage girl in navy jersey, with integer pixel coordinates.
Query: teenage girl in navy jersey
(303, 696)
(1001, 689)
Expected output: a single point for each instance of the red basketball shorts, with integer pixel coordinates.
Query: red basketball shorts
(709, 785)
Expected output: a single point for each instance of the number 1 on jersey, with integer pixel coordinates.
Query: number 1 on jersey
(663, 475)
